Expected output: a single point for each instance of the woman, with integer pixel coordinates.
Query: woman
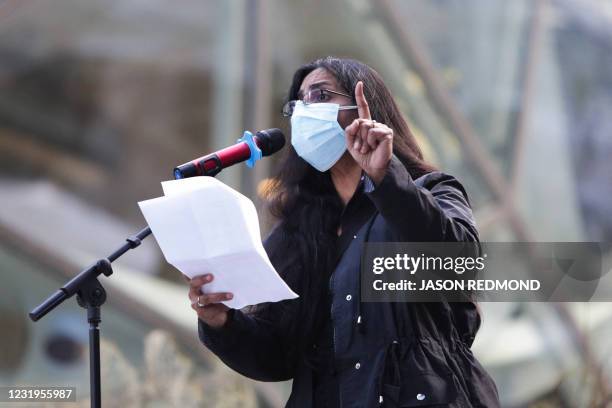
(354, 173)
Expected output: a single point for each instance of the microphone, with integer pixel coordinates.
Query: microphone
(249, 148)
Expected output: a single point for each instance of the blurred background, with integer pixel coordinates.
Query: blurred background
(99, 100)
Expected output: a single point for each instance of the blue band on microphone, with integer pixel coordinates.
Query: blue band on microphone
(256, 154)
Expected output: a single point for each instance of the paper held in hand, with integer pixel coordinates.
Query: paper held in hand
(204, 226)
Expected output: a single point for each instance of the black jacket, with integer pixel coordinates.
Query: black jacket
(386, 354)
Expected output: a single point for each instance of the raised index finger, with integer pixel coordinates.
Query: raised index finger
(362, 104)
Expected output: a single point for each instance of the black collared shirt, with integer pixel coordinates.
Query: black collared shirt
(325, 383)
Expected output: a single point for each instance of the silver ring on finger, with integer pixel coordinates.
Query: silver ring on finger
(199, 303)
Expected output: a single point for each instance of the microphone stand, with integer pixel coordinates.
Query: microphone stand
(90, 292)
(91, 296)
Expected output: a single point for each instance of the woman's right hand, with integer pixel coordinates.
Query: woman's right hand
(208, 306)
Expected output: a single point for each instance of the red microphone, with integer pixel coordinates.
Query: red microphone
(269, 141)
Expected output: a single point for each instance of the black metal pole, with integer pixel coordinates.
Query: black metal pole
(131, 243)
(93, 316)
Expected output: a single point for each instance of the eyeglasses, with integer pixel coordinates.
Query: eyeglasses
(316, 96)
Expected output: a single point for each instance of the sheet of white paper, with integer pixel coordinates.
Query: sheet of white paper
(202, 225)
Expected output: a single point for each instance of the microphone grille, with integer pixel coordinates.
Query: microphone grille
(270, 141)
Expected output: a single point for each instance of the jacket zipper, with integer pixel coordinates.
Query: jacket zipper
(331, 308)
(331, 291)
(331, 315)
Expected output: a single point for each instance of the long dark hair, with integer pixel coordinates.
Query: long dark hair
(305, 201)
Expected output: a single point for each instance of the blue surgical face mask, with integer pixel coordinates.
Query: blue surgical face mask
(316, 135)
